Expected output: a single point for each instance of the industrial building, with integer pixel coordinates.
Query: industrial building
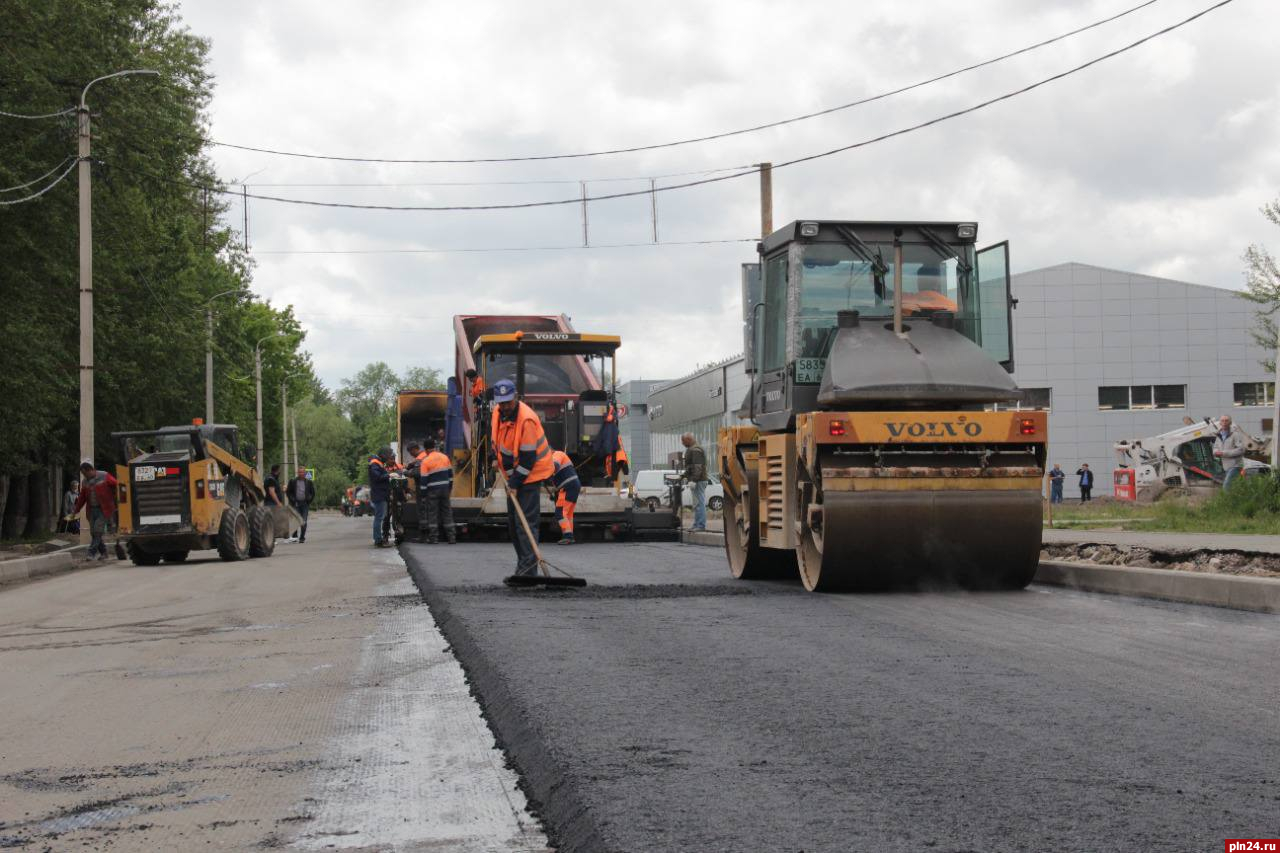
(1112, 355)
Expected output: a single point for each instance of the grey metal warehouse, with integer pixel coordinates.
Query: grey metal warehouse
(1112, 355)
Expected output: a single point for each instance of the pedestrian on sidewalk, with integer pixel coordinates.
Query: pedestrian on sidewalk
(98, 493)
(67, 521)
(1086, 482)
(1056, 478)
(302, 492)
(379, 492)
(1229, 446)
(695, 471)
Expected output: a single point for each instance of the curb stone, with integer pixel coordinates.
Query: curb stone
(1261, 595)
(43, 565)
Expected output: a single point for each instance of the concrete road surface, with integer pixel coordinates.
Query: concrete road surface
(302, 701)
(667, 707)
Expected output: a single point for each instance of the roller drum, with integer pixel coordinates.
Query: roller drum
(879, 540)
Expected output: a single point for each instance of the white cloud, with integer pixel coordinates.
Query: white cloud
(1156, 161)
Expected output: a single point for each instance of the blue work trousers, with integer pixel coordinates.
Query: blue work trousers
(1055, 491)
(379, 516)
(699, 490)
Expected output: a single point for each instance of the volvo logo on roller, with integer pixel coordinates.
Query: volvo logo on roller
(933, 429)
(551, 336)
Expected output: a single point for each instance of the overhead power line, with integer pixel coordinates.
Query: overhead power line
(720, 178)
(486, 249)
(67, 111)
(710, 137)
(41, 192)
(17, 187)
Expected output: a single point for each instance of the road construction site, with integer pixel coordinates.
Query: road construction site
(340, 697)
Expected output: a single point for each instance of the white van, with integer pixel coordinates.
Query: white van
(651, 488)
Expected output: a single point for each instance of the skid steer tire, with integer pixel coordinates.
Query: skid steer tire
(233, 535)
(175, 556)
(262, 532)
(141, 557)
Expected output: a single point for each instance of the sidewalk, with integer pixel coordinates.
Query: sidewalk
(1160, 540)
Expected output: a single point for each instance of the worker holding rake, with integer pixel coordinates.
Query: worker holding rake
(524, 461)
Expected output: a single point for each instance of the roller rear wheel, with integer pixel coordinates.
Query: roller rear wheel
(747, 560)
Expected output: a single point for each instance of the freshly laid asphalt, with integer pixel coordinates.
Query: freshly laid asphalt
(670, 707)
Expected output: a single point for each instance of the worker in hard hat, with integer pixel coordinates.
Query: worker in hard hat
(524, 457)
(567, 487)
(435, 488)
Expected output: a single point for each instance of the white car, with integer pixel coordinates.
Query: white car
(652, 490)
(714, 494)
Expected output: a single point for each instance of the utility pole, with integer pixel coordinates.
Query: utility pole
(1275, 407)
(208, 355)
(257, 380)
(284, 424)
(294, 420)
(766, 199)
(86, 271)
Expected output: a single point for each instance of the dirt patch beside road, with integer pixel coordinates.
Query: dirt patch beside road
(1208, 561)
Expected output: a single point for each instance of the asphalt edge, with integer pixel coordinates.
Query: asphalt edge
(551, 794)
(23, 569)
(1237, 592)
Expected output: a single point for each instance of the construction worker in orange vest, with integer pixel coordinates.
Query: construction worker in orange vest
(476, 391)
(568, 487)
(524, 456)
(435, 488)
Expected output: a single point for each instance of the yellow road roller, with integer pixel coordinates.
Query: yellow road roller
(886, 445)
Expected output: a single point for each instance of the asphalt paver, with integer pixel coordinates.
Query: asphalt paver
(669, 707)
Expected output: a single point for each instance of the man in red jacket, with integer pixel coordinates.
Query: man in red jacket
(98, 492)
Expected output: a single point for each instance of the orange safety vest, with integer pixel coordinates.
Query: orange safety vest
(435, 472)
(477, 387)
(615, 458)
(422, 454)
(523, 435)
(565, 473)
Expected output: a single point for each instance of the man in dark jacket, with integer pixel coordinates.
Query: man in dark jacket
(379, 493)
(301, 492)
(1086, 482)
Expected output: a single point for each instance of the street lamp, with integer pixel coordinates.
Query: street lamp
(86, 269)
(208, 354)
(284, 421)
(257, 379)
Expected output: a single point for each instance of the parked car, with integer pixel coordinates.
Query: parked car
(715, 494)
(651, 489)
(362, 504)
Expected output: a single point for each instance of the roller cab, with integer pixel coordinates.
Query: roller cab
(886, 447)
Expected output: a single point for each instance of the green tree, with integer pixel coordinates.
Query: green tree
(1262, 285)
(328, 442)
(160, 248)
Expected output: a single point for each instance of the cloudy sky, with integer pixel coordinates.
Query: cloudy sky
(1155, 161)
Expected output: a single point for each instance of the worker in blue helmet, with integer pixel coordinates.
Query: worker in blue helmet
(524, 457)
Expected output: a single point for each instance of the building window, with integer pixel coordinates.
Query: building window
(1117, 397)
(1255, 393)
(1032, 398)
